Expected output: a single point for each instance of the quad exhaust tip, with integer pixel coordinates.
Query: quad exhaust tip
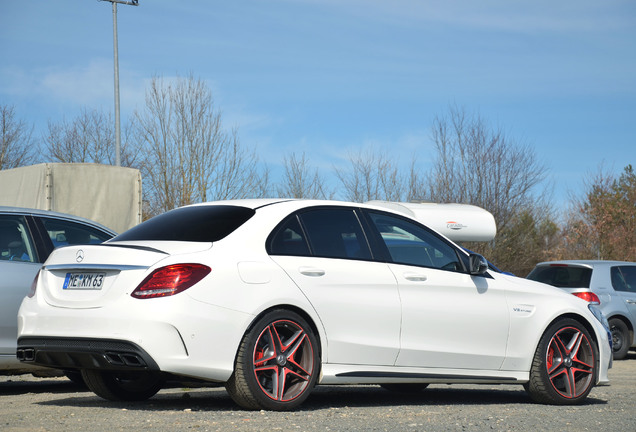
(26, 354)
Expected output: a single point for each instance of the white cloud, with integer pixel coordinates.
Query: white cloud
(91, 84)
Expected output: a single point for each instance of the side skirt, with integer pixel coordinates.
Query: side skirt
(355, 374)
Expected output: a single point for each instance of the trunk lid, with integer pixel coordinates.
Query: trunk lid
(92, 276)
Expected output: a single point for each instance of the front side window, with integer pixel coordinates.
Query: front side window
(15, 240)
(411, 244)
(624, 278)
(64, 232)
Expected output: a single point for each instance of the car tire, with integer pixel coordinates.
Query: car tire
(620, 338)
(122, 386)
(277, 364)
(563, 369)
(75, 377)
(410, 388)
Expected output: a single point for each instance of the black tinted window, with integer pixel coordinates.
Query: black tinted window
(63, 232)
(411, 244)
(624, 278)
(289, 239)
(197, 224)
(562, 276)
(335, 233)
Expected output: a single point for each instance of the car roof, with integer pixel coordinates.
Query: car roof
(54, 214)
(300, 202)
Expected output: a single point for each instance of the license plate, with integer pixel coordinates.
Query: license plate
(84, 281)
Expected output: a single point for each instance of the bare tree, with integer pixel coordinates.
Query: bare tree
(480, 165)
(300, 181)
(89, 138)
(17, 147)
(416, 189)
(189, 156)
(373, 176)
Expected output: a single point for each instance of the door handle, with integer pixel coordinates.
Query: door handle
(311, 271)
(630, 301)
(415, 277)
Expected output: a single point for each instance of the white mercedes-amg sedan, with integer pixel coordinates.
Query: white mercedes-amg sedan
(272, 297)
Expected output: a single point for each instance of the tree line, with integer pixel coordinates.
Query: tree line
(186, 155)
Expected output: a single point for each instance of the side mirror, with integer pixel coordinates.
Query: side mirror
(478, 265)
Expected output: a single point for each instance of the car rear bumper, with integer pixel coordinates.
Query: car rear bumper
(81, 353)
(181, 337)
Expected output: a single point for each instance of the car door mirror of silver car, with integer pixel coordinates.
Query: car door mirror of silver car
(478, 265)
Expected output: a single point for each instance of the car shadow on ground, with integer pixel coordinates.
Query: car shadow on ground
(16, 386)
(323, 397)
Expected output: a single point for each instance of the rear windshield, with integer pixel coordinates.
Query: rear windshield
(194, 224)
(562, 276)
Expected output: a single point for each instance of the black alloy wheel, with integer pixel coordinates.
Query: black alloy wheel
(564, 368)
(620, 338)
(277, 364)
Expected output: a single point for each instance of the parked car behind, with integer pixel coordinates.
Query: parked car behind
(611, 283)
(271, 297)
(27, 238)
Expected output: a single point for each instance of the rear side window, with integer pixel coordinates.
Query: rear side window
(321, 232)
(289, 239)
(562, 276)
(64, 232)
(194, 224)
(624, 278)
(335, 233)
(15, 240)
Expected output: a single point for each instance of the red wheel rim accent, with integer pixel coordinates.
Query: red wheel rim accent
(283, 360)
(570, 362)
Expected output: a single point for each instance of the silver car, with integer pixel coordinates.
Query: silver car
(611, 283)
(27, 237)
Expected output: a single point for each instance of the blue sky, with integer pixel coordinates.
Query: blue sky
(331, 77)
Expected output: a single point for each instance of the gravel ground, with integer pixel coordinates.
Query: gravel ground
(29, 404)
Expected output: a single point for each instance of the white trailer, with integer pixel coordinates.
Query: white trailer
(106, 194)
(458, 222)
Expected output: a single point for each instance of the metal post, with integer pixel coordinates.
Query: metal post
(116, 61)
(117, 121)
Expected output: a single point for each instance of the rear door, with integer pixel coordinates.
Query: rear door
(19, 263)
(624, 283)
(325, 252)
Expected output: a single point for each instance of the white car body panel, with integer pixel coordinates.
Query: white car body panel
(361, 295)
(476, 341)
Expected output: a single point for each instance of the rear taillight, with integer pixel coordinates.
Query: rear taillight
(170, 280)
(589, 297)
(34, 285)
